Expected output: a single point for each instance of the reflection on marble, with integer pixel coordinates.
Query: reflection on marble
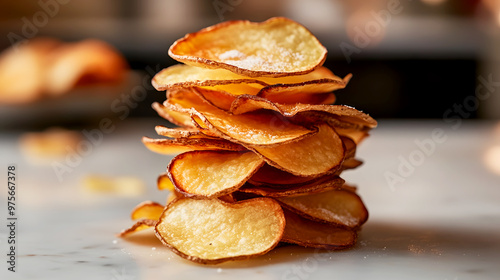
(442, 222)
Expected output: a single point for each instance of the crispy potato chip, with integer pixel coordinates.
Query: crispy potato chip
(149, 210)
(354, 134)
(277, 47)
(176, 117)
(138, 226)
(314, 186)
(164, 183)
(351, 163)
(217, 98)
(211, 231)
(256, 128)
(308, 233)
(212, 173)
(311, 86)
(269, 175)
(340, 207)
(181, 75)
(179, 132)
(250, 88)
(305, 98)
(321, 80)
(309, 113)
(180, 145)
(315, 155)
(350, 147)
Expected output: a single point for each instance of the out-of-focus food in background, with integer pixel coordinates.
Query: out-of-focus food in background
(51, 144)
(46, 67)
(45, 80)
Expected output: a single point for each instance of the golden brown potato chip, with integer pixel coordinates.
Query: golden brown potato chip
(181, 75)
(356, 135)
(308, 233)
(321, 80)
(312, 86)
(210, 231)
(269, 175)
(305, 98)
(212, 173)
(315, 155)
(350, 147)
(277, 47)
(337, 114)
(179, 132)
(164, 182)
(149, 210)
(180, 145)
(256, 128)
(351, 163)
(217, 98)
(176, 117)
(340, 207)
(138, 226)
(288, 190)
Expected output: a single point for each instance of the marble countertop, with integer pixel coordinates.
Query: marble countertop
(433, 192)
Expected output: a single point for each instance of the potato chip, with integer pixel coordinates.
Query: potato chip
(357, 135)
(212, 173)
(175, 146)
(181, 75)
(176, 117)
(269, 175)
(351, 163)
(211, 231)
(138, 226)
(308, 233)
(164, 183)
(288, 190)
(305, 98)
(179, 132)
(256, 128)
(321, 80)
(275, 48)
(315, 155)
(339, 207)
(310, 86)
(350, 147)
(310, 113)
(149, 210)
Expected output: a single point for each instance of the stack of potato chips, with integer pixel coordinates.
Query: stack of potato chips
(261, 151)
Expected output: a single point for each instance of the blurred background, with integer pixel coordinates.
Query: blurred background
(410, 59)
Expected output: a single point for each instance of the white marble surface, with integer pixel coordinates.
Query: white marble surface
(442, 222)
